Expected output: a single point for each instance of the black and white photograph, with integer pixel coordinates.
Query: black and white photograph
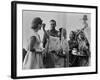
(54, 40)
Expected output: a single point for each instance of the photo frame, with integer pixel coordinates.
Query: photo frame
(22, 12)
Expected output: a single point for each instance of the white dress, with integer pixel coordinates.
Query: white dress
(33, 60)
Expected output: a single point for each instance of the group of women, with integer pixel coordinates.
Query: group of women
(58, 52)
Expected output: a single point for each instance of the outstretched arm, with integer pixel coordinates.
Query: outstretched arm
(46, 36)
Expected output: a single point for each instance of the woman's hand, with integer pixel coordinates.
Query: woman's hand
(46, 34)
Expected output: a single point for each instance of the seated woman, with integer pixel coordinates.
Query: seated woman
(84, 50)
(73, 48)
(33, 57)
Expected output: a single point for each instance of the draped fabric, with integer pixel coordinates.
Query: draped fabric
(54, 45)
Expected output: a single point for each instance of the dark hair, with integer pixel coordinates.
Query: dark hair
(64, 33)
(73, 34)
(35, 22)
(60, 29)
(53, 21)
(82, 34)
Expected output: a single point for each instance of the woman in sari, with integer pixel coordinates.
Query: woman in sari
(33, 58)
(62, 49)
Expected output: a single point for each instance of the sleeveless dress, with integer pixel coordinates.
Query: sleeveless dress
(33, 60)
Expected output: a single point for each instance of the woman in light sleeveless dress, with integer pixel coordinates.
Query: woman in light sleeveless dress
(33, 58)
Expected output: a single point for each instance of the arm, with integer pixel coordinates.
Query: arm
(32, 43)
(46, 36)
(88, 47)
(44, 40)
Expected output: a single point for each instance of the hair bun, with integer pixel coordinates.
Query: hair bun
(36, 21)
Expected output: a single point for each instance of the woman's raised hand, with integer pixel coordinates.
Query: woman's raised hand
(46, 34)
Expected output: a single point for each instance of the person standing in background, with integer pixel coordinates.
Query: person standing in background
(48, 60)
(52, 32)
